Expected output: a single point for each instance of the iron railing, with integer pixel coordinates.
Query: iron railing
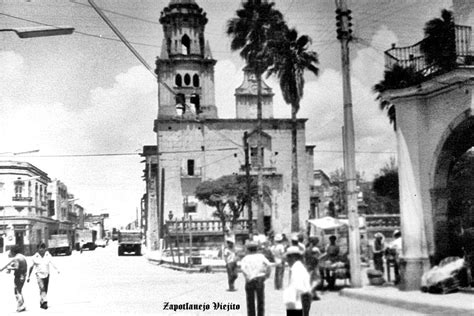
(411, 56)
(205, 227)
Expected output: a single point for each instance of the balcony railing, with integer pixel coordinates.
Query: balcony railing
(205, 227)
(254, 170)
(411, 56)
(197, 173)
(382, 221)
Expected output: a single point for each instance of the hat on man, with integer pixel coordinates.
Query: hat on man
(278, 237)
(396, 233)
(230, 239)
(378, 235)
(250, 244)
(294, 237)
(293, 250)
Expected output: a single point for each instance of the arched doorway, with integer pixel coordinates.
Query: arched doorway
(452, 180)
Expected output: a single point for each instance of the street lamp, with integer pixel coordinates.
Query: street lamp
(40, 31)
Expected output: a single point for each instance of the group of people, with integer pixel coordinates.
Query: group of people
(41, 261)
(390, 252)
(261, 257)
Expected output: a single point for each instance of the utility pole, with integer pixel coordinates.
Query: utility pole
(249, 183)
(344, 35)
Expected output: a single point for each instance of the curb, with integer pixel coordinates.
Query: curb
(195, 269)
(426, 308)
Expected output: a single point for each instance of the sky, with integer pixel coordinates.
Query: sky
(88, 104)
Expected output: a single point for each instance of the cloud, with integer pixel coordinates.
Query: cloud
(119, 119)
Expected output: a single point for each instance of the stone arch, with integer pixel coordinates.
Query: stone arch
(454, 142)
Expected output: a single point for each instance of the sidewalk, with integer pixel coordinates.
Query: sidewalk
(447, 304)
(207, 264)
(426, 303)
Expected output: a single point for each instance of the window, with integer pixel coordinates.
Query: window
(189, 205)
(187, 79)
(196, 80)
(254, 156)
(190, 167)
(178, 80)
(185, 45)
(19, 188)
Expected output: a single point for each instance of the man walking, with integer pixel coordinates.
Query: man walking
(41, 263)
(255, 268)
(231, 263)
(20, 266)
(297, 296)
(278, 250)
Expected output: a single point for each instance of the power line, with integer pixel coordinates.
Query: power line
(123, 154)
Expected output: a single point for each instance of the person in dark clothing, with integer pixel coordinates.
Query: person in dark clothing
(378, 250)
(20, 267)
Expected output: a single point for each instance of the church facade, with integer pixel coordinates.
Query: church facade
(194, 144)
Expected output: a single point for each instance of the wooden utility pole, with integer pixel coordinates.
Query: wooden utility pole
(249, 184)
(344, 35)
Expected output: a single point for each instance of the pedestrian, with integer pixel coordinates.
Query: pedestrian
(81, 245)
(278, 251)
(41, 262)
(297, 296)
(393, 253)
(231, 263)
(378, 249)
(256, 269)
(330, 257)
(312, 255)
(297, 240)
(20, 267)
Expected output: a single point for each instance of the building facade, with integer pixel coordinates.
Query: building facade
(195, 145)
(25, 218)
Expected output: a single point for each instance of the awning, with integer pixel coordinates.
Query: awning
(327, 222)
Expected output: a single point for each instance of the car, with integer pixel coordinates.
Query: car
(101, 243)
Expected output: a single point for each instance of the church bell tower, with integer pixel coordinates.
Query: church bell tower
(185, 64)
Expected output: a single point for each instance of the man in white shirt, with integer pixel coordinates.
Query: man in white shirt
(256, 269)
(278, 251)
(41, 263)
(298, 293)
(231, 263)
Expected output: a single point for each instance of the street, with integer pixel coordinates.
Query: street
(102, 283)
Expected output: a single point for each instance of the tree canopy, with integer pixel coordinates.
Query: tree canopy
(228, 194)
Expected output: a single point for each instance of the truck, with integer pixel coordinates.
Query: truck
(129, 241)
(60, 244)
(88, 237)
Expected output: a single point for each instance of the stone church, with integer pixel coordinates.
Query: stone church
(195, 145)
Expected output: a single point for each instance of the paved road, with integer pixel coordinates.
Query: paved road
(101, 283)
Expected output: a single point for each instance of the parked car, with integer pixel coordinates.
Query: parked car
(101, 243)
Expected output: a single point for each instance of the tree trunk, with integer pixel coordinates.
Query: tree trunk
(295, 219)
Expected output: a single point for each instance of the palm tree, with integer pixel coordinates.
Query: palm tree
(439, 45)
(256, 23)
(291, 59)
(397, 77)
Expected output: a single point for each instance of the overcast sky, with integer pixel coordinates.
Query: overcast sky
(86, 94)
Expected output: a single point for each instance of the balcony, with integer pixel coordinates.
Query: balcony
(382, 221)
(196, 173)
(205, 227)
(254, 170)
(411, 56)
